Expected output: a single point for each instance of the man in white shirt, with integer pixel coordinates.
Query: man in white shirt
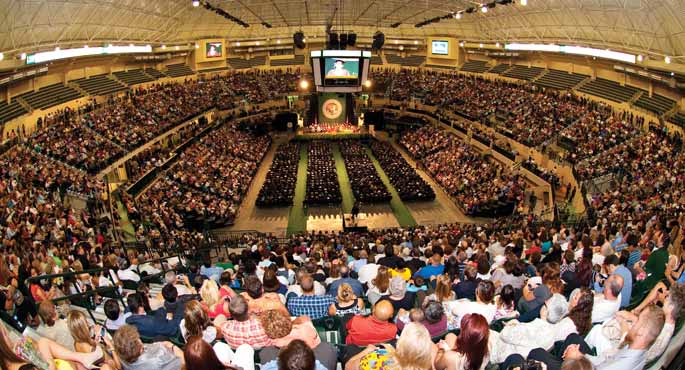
(182, 285)
(297, 289)
(367, 272)
(126, 272)
(608, 303)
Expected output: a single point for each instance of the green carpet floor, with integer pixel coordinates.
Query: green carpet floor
(297, 218)
(401, 212)
(343, 180)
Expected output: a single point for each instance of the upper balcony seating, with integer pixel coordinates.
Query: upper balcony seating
(609, 90)
(257, 61)
(500, 68)
(178, 70)
(658, 104)
(11, 111)
(523, 72)
(51, 95)
(296, 61)
(475, 66)
(560, 80)
(100, 85)
(133, 77)
(154, 73)
(239, 63)
(678, 119)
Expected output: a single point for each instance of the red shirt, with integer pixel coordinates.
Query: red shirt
(368, 330)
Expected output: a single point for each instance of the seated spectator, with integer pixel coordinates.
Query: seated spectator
(372, 329)
(212, 301)
(52, 327)
(346, 302)
(308, 303)
(134, 355)
(639, 339)
(506, 303)
(467, 289)
(469, 350)
(399, 297)
(435, 268)
(613, 266)
(115, 319)
(86, 337)
(210, 272)
(296, 356)
(199, 355)
(608, 302)
(196, 323)
(297, 288)
(345, 278)
(432, 317)
(379, 285)
(413, 351)
(243, 328)
(557, 320)
(484, 305)
(258, 299)
(155, 324)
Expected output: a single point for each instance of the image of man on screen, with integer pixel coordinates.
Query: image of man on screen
(338, 70)
(213, 52)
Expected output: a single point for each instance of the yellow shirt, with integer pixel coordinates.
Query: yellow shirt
(405, 274)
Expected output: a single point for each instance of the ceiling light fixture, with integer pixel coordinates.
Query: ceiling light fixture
(196, 3)
(524, 2)
(484, 9)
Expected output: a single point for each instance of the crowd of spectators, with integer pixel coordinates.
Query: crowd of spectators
(496, 294)
(366, 185)
(322, 177)
(409, 185)
(479, 184)
(279, 186)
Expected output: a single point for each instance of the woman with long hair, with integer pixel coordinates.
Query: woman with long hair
(346, 302)
(87, 337)
(379, 285)
(580, 310)
(413, 352)
(196, 322)
(469, 350)
(443, 289)
(212, 301)
(199, 355)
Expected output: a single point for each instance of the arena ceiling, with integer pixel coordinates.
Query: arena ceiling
(650, 27)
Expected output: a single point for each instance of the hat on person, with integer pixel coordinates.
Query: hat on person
(557, 308)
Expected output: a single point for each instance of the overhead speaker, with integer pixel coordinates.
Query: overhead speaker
(378, 40)
(351, 39)
(298, 39)
(333, 40)
(343, 41)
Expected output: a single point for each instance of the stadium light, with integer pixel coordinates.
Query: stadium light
(237, 43)
(85, 46)
(497, 44)
(304, 84)
(640, 58)
(667, 59)
(163, 47)
(2, 56)
(416, 42)
(278, 41)
(57, 48)
(367, 83)
(524, 2)
(257, 43)
(22, 56)
(484, 9)
(457, 15)
(196, 3)
(197, 46)
(176, 47)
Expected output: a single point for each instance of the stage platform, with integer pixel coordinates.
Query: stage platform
(358, 224)
(304, 135)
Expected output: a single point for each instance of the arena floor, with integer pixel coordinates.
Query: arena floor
(329, 218)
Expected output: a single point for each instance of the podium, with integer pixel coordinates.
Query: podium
(358, 224)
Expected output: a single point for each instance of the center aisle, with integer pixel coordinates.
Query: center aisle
(401, 212)
(343, 179)
(297, 219)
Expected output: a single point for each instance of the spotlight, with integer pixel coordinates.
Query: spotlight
(257, 43)
(22, 56)
(2, 56)
(461, 44)
(524, 2)
(163, 47)
(640, 58)
(237, 43)
(401, 47)
(197, 46)
(480, 45)
(367, 83)
(85, 46)
(457, 15)
(667, 60)
(672, 73)
(397, 42)
(278, 41)
(57, 48)
(416, 42)
(304, 84)
(176, 47)
(196, 3)
(497, 44)
(484, 9)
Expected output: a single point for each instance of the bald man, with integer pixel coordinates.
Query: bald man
(608, 302)
(372, 329)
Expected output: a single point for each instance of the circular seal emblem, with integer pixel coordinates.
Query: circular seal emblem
(332, 108)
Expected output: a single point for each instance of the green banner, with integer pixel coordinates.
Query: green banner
(331, 108)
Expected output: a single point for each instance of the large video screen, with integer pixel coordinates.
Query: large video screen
(440, 47)
(214, 49)
(343, 68)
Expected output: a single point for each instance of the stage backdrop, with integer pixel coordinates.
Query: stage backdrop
(331, 108)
